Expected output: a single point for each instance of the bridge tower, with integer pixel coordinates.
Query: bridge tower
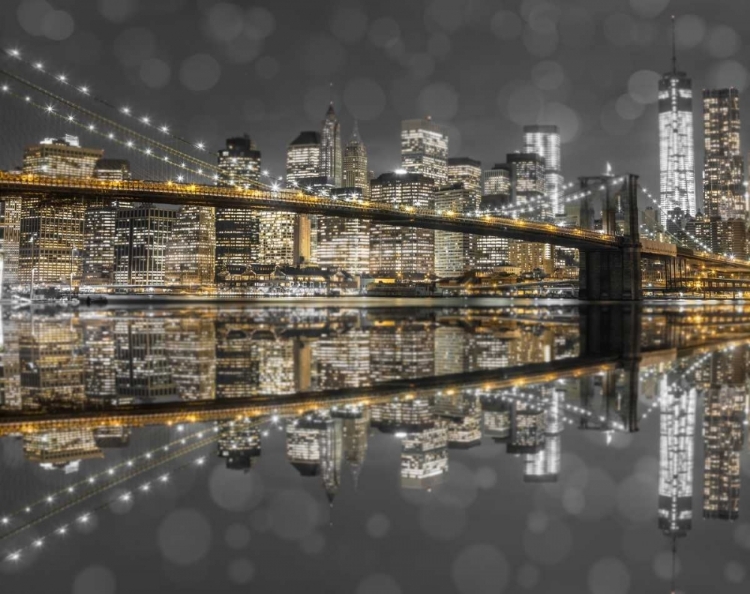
(612, 274)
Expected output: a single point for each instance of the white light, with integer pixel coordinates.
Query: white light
(62, 530)
(146, 120)
(148, 151)
(111, 471)
(62, 78)
(5, 87)
(83, 519)
(70, 118)
(39, 66)
(14, 52)
(200, 145)
(126, 110)
(50, 108)
(5, 521)
(91, 127)
(164, 129)
(14, 556)
(38, 543)
(85, 90)
(50, 499)
(110, 135)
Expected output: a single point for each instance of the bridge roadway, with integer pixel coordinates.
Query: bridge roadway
(201, 411)
(14, 184)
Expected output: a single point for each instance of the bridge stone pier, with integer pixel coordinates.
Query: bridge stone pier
(613, 274)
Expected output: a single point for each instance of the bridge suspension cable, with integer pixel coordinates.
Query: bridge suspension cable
(168, 150)
(86, 91)
(91, 128)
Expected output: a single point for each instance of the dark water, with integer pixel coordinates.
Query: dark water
(445, 446)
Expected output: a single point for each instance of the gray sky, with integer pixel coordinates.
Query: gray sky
(214, 69)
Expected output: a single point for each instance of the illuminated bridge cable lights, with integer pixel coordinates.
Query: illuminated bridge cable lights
(124, 130)
(85, 90)
(128, 143)
(101, 489)
(50, 498)
(59, 533)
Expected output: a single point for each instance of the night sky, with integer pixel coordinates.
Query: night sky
(216, 69)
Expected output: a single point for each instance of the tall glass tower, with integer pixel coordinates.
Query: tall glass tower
(676, 152)
(545, 141)
(331, 161)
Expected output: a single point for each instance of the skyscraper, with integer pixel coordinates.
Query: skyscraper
(491, 252)
(545, 141)
(344, 242)
(51, 236)
(190, 257)
(237, 230)
(453, 251)
(676, 151)
(467, 172)
(723, 175)
(424, 149)
(142, 236)
(331, 163)
(356, 174)
(402, 251)
(528, 172)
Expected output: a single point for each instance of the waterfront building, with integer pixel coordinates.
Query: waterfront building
(239, 443)
(190, 256)
(723, 174)
(424, 458)
(142, 236)
(402, 252)
(344, 243)
(142, 367)
(676, 150)
(237, 230)
(61, 449)
(51, 236)
(424, 149)
(454, 252)
(544, 140)
(10, 237)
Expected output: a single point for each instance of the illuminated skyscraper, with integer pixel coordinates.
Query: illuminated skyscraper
(285, 238)
(491, 252)
(527, 429)
(723, 175)
(142, 236)
(424, 458)
(544, 466)
(356, 174)
(344, 243)
(331, 161)
(143, 369)
(424, 149)
(355, 425)
(528, 172)
(51, 236)
(191, 251)
(723, 434)
(454, 252)
(676, 151)
(61, 449)
(467, 172)
(676, 457)
(237, 230)
(99, 362)
(304, 442)
(402, 415)
(10, 237)
(402, 251)
(239, 443)
(99, 227)
(545, 141)
(190, 343)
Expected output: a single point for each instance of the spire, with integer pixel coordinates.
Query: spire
(330, 111)
(674, 46)
(355, 133)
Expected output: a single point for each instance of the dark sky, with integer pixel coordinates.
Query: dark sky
(484, 67)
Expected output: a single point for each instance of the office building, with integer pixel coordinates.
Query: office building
(356, 174)
(402, 252)
(304, 442)
(191, 257)
(355, 425)
(51, 236)
(112, 169)
(239, 443)
(402, 415)
(723, 174)
(491, 252)
(143, 371)
(424, 458)
(676, 457)
(723, 438)
(61, 449)
(142, 236)
(676, 149)
(424, 149)
(10, 238)
(344, 243)
(545, 141)
(527, 178)
(467, 172)
(454, 252)
(331, 153)
(237, 230)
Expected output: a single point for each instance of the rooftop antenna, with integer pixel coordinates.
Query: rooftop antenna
(674, 46)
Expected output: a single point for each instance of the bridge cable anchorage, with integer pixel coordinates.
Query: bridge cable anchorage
(91, 128)
(85, 90)
(124, 129)
(51, 497)
(127, 496)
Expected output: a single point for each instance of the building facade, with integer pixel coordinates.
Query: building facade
(142, 236)
(545, 141)
(191, 253)
(424, 149)
(402, 252)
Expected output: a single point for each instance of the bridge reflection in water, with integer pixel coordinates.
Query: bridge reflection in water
(438, 379)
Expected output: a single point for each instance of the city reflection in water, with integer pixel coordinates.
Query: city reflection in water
(605, 413)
